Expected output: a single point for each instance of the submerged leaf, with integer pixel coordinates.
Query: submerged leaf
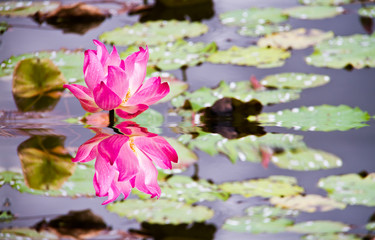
(297, 39)
(26, 8)
(350, 188)
(264, 187)
(319, 227)
(251, 56)
(317, 118)
(160, 211)
(356, 51)
(153, 33)
(295, 80)
(314, 12)
(169, 56)
(307, 203)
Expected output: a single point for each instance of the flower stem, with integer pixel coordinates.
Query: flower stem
(111, 118)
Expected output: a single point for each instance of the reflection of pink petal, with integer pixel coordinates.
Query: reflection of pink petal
(99, 119)
(127, 163)
(104, 175)
(110, 147)
(131, 111)
(266, 156)
(89, 150)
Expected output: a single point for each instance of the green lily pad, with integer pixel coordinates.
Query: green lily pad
(160, 211)
(253, 16)
(185, 189)
(264, 187)
(251, 56)
(316, 118)
(331, 236)
(319, 227)
(295, 80)
(262, 29)
(368, 11)
(153, 33)
(370, 226)
(206, 97)
(297, 39)
(6, 216)
(3, 27)
(176, 55)
(186, 157)
(325, 2)
(261, 219)
(306, 159)
(314, 12)
(355, 51)
(307, 203)
(26, 8)
(150, 119)
(350, 188)
(70, 63)
(26, 233)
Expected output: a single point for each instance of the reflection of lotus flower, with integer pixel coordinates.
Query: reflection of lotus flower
(124, 161)
(113, 83)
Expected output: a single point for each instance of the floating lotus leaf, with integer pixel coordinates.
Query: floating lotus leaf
(331, 236)
(264, 187)
(368, 11)
(307, 203)
(325, 2)
(26, 8)
(79, 184)
(251, 56)
(295, 80)
(357, 51)
(169, 56)
(319, 227)
(370, 226)
(262, 29)
(3, 27)
(261, 219)
(306, 159)
(206, 97)
(186, 157)
(297, 39)
(185, 189)
(153, 33)
(6, 216)
(70, 63)
(26, 233)
(160, 211)
(314, 12)
(176, 86)
(253, 16)
(316, 118)
(350, 188)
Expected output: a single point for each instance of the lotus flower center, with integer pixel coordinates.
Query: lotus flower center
(128, 95)
(132, 145)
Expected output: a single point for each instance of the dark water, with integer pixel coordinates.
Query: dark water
(354, 88)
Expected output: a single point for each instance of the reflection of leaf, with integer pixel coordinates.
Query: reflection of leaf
(319, 227)
(307, 203)
(314, 12)
(26, 8)
(368, 11)
(357, 51)
(45, 162)
(251, 56)
(261, 219)
(176, 55)
(253, 16)
(306, 160)
(26, 233)
(150, 119)
(3, 27)
(324, 2)
(153, 32)
(317, 118)
(186, 157)
(331, 236)
(185, 189)
(297, 39)
(206, 97)
(350, 188)
(160, 211)
(370, 226)
(264, 187)
(295, 80)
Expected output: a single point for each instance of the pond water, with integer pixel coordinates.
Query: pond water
(355, 147)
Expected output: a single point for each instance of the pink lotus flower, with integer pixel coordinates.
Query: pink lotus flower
(113, 83)
(125, 161)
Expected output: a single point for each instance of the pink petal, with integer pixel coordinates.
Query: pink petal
(117, 81)
(102, 52)
(113, 59)
(135, 67)
(94, 72)
(133, 129)
(110, 147)
(105, 98)
(158, 150)
(151, 92)
(103, 177)
(131, 111)
(88, 150)
(84, 96)
(127, 163)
